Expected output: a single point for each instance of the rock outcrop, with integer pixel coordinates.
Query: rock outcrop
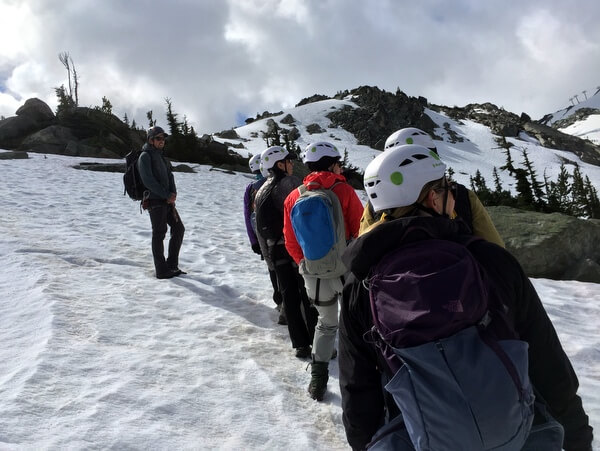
(553, 246)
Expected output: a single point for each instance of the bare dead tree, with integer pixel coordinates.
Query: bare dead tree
(67, 61)
(584, 93)
(571, 100)
(576, 98)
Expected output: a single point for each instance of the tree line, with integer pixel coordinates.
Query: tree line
(571, 194)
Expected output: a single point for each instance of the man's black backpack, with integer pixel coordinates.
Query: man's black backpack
(132, 180)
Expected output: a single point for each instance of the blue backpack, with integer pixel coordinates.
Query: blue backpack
(457, 386)
(318, 223)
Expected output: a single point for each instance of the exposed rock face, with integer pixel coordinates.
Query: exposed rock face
(505, 123)
(314, 128)
(53, 139)
(288, 119)
(14, 129)
(380, 114)
(549, 137)
(553, 246)
(228, 134)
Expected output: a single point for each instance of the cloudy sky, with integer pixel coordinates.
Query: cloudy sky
(220, 61)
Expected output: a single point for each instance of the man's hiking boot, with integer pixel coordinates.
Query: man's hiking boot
(167, 274)
(319, 375)
(303, 352)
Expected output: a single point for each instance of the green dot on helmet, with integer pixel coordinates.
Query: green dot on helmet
(396, 178)
(313, 149)
(409, 141)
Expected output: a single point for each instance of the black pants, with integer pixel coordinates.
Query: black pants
(276, 294)
(291, 286)
(161, 215)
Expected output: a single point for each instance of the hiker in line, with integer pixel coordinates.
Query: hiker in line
(157, 176)
(323, 280)
(408, 184)
(468, 207)
(301, 316)
(250, 218)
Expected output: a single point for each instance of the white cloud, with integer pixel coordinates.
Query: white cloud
(217, 60)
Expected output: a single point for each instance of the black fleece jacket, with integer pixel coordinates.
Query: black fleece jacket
(365, 405)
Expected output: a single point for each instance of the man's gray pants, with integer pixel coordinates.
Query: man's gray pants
(324, 295)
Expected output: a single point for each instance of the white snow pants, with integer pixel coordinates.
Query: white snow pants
(324, 295)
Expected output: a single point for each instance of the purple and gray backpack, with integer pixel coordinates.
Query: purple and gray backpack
(456, 385)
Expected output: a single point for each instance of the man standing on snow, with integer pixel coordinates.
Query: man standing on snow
(159, 200)
(323, 160)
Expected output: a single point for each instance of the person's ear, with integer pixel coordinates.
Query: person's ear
(430, 200)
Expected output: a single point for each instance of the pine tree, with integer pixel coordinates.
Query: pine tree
(151, 122)
(509, 166)
(593, 203)
(578, 194)
(65, 101)
(536, 187)
(174, 124)
(525, 198)
(479, 186)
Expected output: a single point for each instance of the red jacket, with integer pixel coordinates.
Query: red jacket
(352, 209)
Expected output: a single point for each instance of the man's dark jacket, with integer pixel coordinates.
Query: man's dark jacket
(361, 380)
(156, 173)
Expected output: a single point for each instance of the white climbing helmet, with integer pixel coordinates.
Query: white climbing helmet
(270, 156)
(315, 151)
(410, 135)
(396, 177)
(254, 163)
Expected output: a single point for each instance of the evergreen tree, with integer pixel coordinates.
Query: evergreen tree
(578, 194)
(536, 187)
(562, 190)
(65, 101)
(174, 124)
(479, 186)
(593, 203)
(126, 120)
(509, 166)
(106, 106)
(450, 173)
(525, 198)
(151, 121)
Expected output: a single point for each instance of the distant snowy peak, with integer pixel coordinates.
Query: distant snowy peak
(582, 106)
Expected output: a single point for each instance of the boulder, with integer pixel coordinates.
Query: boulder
(13, 155)
(228, 134)
(36, 110)
(53, 139)
(14, 129)
(553, 246)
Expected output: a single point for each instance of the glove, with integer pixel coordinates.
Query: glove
(256, 249)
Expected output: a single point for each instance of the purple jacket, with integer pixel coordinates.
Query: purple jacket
(249, 195)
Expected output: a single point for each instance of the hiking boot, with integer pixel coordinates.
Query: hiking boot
(167, 274)
(319, 375)
(303, 352)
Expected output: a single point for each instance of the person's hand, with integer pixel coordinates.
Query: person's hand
(256, 249)
(171, 199)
